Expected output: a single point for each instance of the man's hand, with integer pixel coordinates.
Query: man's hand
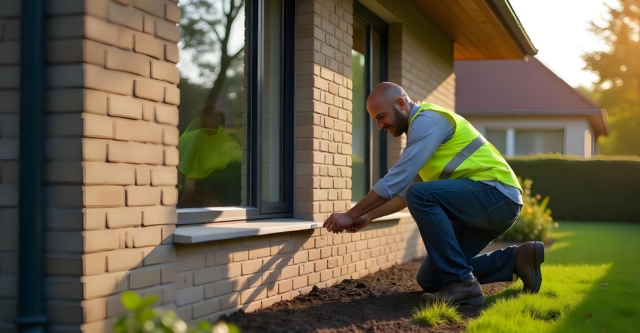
(360, 223)
(337, 222)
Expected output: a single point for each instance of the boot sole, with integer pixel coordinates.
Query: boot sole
(539, 254)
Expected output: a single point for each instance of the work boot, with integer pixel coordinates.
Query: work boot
(457, 292)
(529, 257)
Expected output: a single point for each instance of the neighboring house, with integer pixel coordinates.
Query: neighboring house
(523, 108)
(286, 143)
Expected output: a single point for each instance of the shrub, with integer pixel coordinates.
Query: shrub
(585, 189)
(534, 222)
(142, 318)
(436, 314)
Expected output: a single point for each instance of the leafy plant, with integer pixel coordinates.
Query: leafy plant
(142, 318)
(436, 314)
(535, 221)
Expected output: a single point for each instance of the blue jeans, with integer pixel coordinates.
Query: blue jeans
(457, 219)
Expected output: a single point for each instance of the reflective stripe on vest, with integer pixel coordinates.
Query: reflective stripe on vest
(462, 156)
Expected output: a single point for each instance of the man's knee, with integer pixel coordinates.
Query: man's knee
(417, 194)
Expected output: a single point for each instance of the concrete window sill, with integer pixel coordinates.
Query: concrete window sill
(220, 231)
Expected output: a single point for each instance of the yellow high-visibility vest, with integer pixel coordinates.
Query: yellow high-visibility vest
(467, 155)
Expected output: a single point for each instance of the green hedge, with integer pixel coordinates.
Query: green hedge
(594, 189)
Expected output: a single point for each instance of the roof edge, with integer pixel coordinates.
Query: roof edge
(506, 12)
(528, 112)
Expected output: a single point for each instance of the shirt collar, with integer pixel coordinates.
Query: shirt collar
(414, 110)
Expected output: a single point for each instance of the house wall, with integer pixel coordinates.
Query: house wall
(9, 131)
(577, 131)
(111, 173)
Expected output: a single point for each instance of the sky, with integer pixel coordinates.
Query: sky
(558, 29)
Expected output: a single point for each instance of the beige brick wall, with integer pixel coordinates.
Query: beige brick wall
(111, 173)
(9, 126)
(217, 278)
(323, 107)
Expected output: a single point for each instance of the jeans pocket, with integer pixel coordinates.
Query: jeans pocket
(501, 214)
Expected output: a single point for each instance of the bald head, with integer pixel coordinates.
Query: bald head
(387, 93)
(389, 105)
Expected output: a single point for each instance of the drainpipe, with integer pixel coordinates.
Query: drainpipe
(31, 307)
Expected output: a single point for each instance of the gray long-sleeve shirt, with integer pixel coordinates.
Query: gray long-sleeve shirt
(427, 132)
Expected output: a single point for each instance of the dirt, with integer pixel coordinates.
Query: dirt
(381, 302)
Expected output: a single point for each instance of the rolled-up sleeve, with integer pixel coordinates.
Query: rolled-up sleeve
(427, 132)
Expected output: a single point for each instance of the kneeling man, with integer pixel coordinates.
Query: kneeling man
(468, 197)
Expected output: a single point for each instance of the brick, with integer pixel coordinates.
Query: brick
(129, 62)
(170, 136)
(284, 286)
(133, 152)
(152, 7)
(100, 31)
(172, 95)
(313, 278)
(251, 267)
(97, 173)
(168, 274)
(207, 307)
(124, 2)
(104, 285)
(74, 100)
(144, 277)
(119, 217)
(124, 259)
(252, 295)
(164, 176)
(300, 282)
(190, 295)
(148, 90)
(103, 196)
(172, 13)
(108, 81)
(125, 16)
(94, 263)
(149, 25)
(56, 264)
(148, 236)
(171, 53)
(124, 107)
(167, 31)
(139, 131)
(169, 196)
(165, 71)
(229, 301)
(166, 114)
(159, 215)
(159, 255)
(171, 156)
(142, 196)
(143, 175)
(148, 45)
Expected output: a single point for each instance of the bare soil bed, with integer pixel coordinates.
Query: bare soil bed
(381, 302)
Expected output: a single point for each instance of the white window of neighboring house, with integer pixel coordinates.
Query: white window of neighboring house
(498, 139)
(530, 142)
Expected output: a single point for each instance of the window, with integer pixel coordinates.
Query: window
(512, 142)
(235, 108)
(539, 142)
(368, 62)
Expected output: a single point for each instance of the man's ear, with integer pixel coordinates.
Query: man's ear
(401, 102)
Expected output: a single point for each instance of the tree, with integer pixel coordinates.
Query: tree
(206, 29)
(618, 68)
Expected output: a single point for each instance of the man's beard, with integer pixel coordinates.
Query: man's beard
(400, 122)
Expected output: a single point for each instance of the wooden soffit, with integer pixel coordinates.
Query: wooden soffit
(481, 29)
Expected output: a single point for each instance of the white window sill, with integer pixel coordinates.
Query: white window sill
(230, 230)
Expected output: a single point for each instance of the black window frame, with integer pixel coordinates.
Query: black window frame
(254, 47)
(372, 22)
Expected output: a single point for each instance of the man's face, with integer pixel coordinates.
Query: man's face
(390, 118)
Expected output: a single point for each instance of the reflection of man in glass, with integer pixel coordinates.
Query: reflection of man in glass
(210, 162)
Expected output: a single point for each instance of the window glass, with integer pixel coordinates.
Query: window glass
(498, 139)
(272, 103)
(539, 142)
(359, 145)
(212, 104)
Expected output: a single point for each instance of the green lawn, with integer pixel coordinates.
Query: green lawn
(573, 298)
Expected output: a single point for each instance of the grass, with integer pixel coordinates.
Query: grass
(591, 283)
(436, 314)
